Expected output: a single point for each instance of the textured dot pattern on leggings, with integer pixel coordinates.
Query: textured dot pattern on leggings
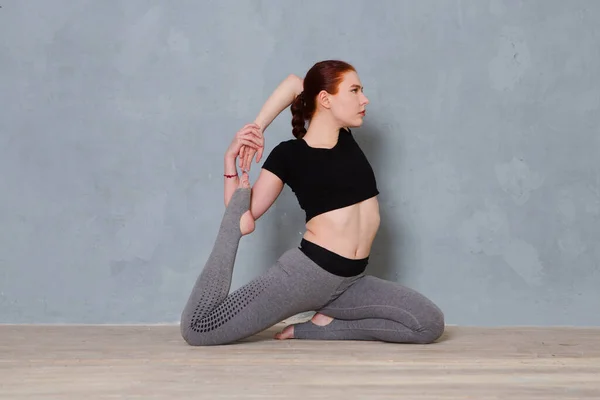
(204, 321)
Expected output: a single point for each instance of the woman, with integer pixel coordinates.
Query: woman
(335, 185)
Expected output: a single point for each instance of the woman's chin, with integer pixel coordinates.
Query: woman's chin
(354, 123)
(358, 123)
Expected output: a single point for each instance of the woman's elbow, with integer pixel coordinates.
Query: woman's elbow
(257, 212)
(297, 83)
(259, 206)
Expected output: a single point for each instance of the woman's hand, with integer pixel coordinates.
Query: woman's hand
(249, 138)
(247, 153)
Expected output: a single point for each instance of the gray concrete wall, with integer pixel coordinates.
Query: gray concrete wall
(483, 130)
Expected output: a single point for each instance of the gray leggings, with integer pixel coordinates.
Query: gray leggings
(363, 307)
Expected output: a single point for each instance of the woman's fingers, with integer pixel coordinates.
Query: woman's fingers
(249, 143)
(252, 132)
(250, 128)
(248, 159)
(259, 154)
(241, 155)
(251, 136)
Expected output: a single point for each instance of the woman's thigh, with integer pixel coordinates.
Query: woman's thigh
(372, 297)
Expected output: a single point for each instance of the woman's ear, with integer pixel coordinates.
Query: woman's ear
(324, 99)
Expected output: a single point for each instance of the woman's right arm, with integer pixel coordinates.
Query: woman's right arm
(265, 191)
(281, 98)
(283, 95)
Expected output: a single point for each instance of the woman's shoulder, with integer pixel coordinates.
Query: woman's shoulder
(290, 142)
(283, 151)
(278, 160)
(287, 145)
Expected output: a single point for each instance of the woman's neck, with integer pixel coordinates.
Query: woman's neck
(322, 132)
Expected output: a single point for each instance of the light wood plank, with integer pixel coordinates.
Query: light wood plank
(152, 362)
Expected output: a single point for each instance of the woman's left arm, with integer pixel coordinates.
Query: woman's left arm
(281, 98)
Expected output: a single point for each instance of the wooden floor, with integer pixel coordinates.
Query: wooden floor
(152, 362)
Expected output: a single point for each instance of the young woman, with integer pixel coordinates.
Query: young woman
(335, 185)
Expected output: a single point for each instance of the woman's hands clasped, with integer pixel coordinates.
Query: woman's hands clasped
(248, 141)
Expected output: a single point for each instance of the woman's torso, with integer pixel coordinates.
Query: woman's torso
(347, 231)
(337, 189)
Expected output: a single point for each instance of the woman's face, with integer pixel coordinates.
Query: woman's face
(349, 103)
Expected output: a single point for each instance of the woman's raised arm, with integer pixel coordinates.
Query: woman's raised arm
(281, 98)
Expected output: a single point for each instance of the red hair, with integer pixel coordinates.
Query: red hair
(324, 75)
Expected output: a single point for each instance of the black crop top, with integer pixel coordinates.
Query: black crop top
(324, 179)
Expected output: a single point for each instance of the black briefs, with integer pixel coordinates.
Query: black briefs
(332, 262)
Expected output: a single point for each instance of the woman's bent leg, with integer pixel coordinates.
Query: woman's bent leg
(294, 284)
(252, 308)
(376, 309)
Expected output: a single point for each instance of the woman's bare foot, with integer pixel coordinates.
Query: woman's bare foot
(318, 319)
(287, 333)
(321, 319)
(247, 223)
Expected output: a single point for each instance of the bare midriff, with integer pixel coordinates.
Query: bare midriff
(347, 231)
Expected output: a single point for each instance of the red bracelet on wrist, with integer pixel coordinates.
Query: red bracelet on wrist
(230, 176)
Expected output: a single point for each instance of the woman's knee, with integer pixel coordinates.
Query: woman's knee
(432, 328)
(189, 336)
(196, 337)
